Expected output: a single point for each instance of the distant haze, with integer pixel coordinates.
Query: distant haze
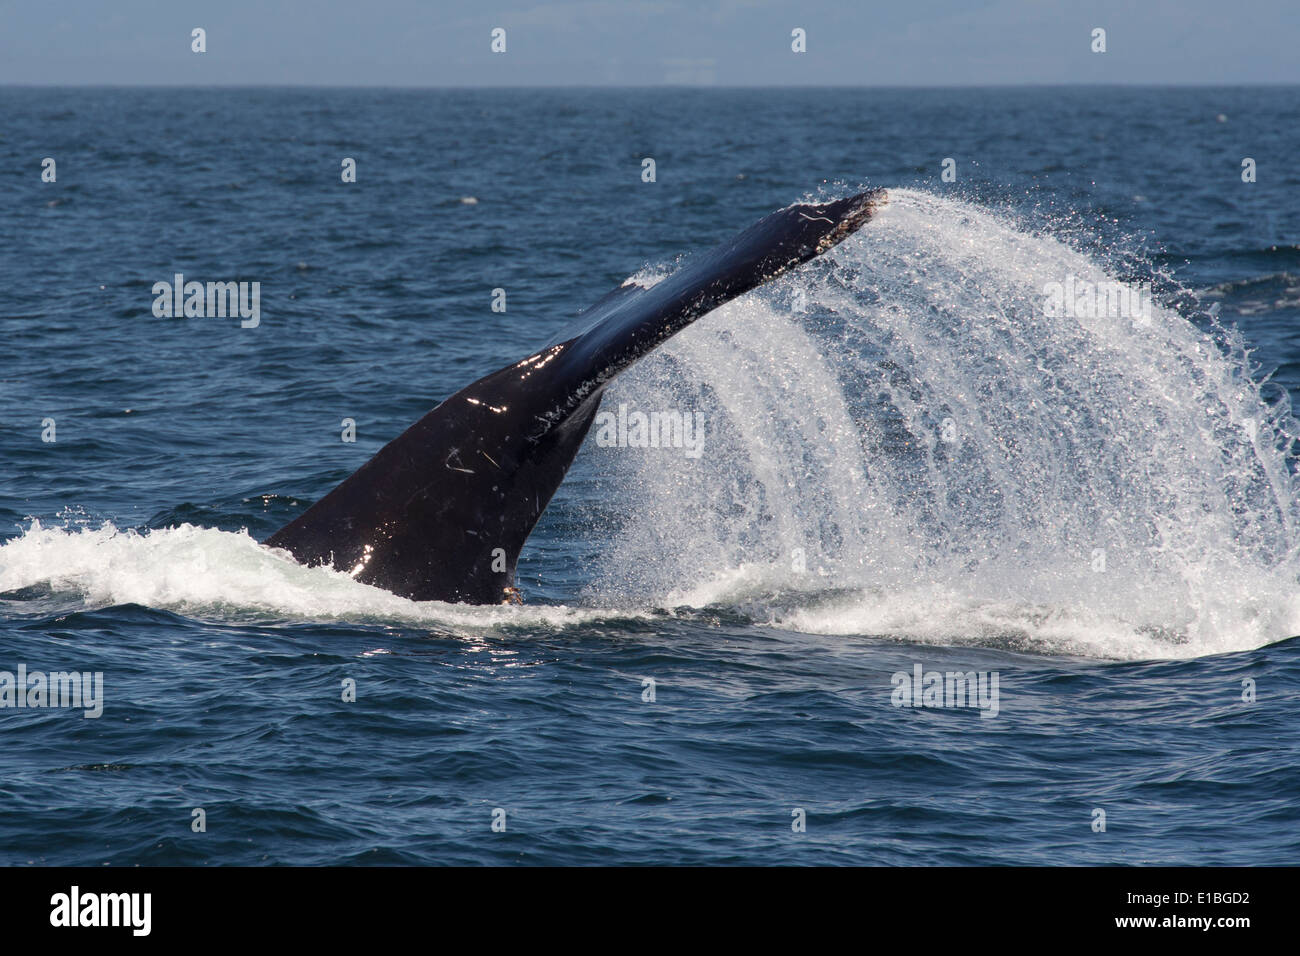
(649, 42)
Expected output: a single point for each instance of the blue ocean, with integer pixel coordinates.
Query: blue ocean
(954, 570)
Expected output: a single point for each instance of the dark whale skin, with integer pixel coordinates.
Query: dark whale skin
(442, 511)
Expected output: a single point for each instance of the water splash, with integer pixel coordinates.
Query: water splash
(220, 575)
(901, 442)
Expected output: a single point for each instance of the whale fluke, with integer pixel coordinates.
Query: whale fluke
(442, 511)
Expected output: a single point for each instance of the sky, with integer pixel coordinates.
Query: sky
(648, 42)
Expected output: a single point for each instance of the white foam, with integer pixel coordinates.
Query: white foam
(206, 573)
(1079, 622)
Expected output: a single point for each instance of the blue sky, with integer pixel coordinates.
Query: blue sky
(649, 42)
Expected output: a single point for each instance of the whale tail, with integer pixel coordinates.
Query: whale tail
(442, 511)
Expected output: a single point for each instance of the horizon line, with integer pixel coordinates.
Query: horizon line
(650, 86)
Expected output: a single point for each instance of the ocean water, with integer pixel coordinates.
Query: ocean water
(907, 466)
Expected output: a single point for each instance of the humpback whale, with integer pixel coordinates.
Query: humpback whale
(442, 511)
